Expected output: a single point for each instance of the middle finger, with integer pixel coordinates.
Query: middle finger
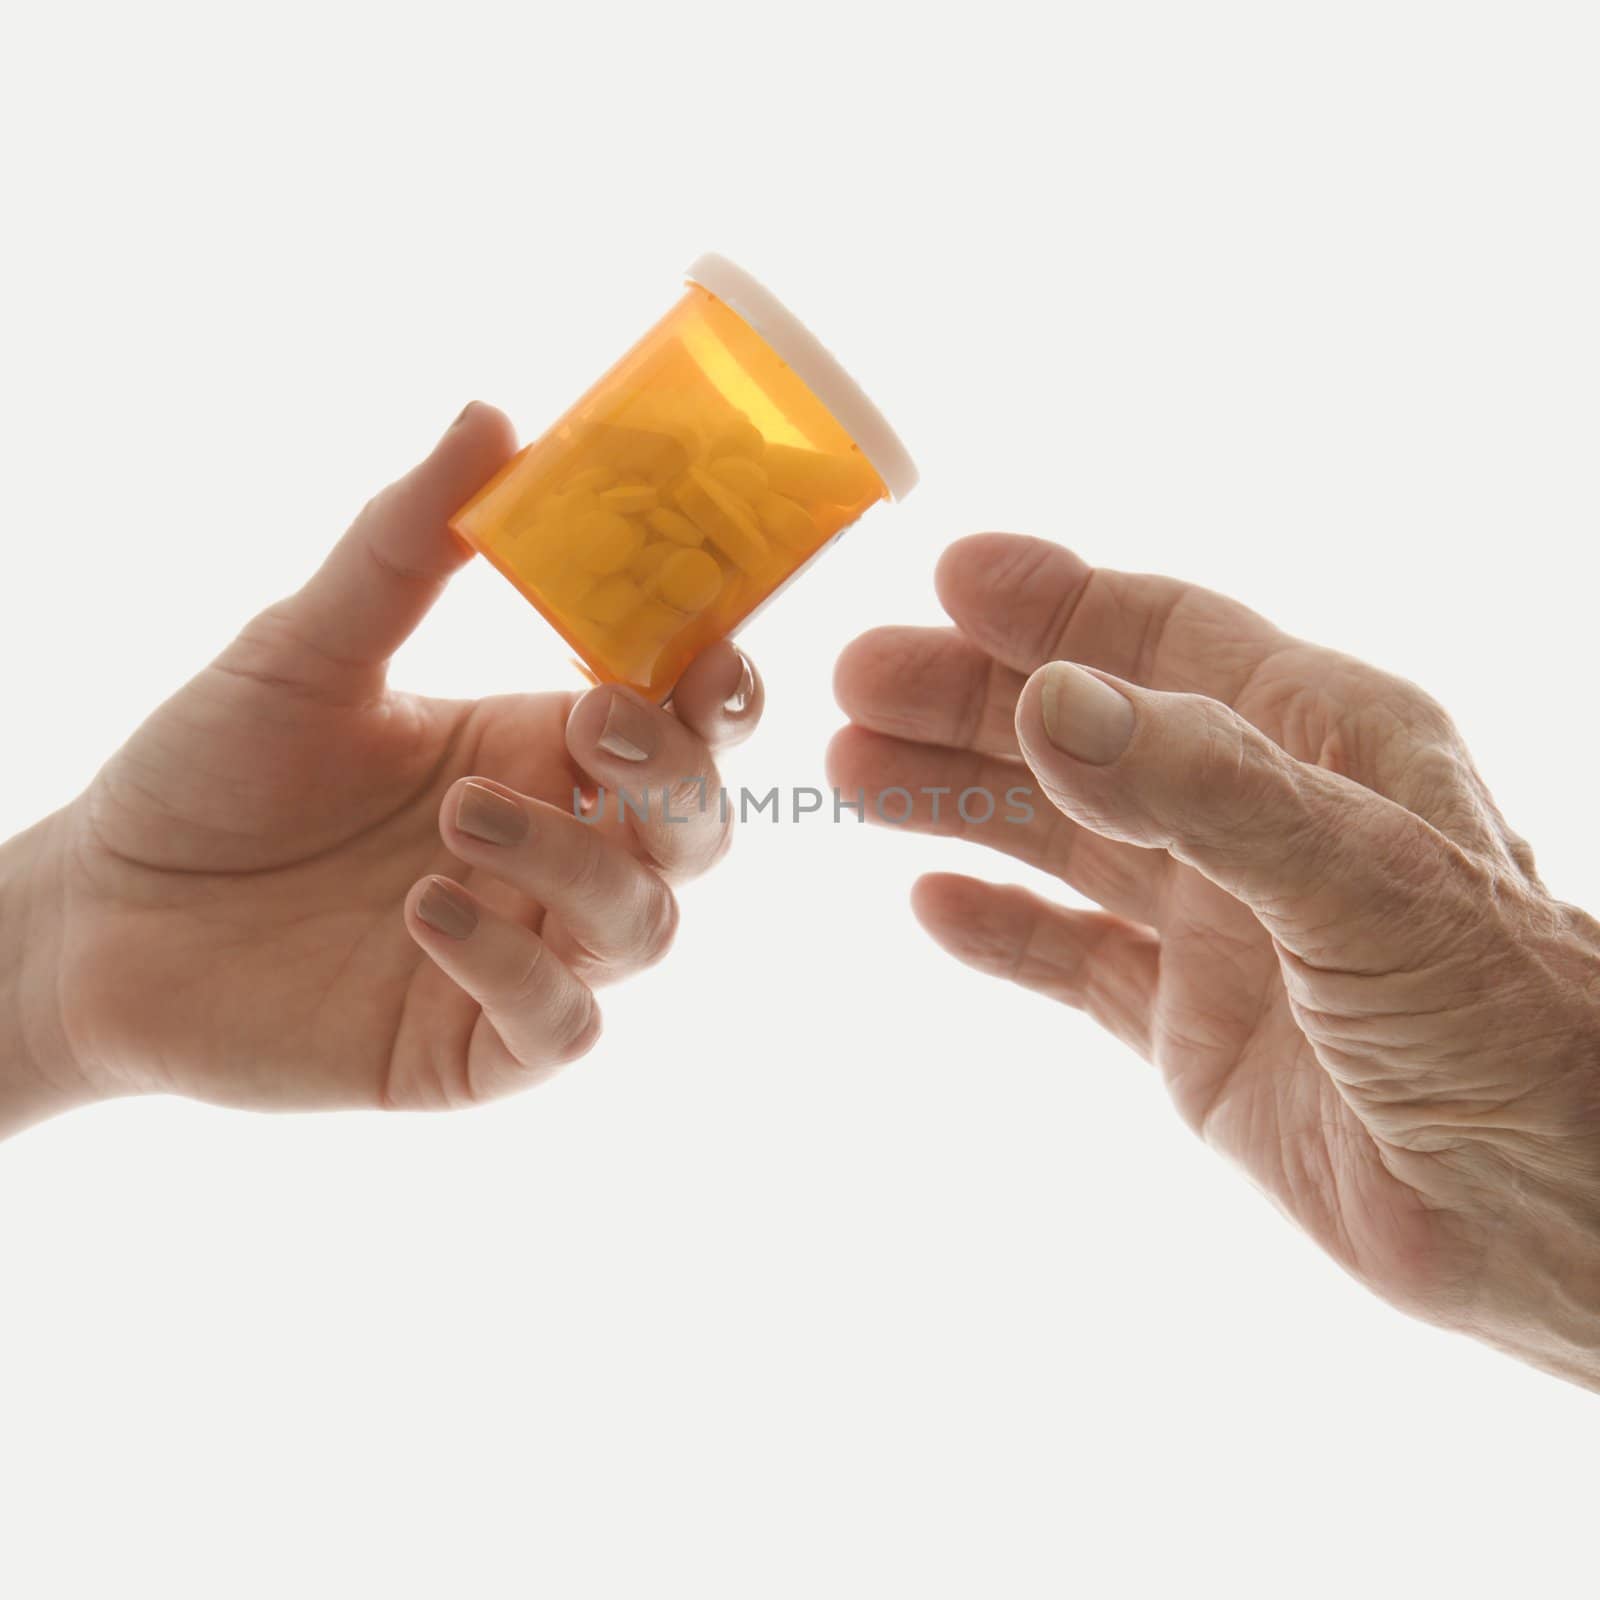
(617, 914)
(659, 785)
(1010, 813)
(930, 686)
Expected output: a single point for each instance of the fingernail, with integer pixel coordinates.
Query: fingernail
(1083, 715)
(629, 733)
(461, 416)
(488, 815)
(737, 702)
(446, 908)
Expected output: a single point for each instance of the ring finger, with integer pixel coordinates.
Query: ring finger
(1014, 816)
(615, 914)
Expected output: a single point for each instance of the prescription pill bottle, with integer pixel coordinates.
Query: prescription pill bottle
(715, 459)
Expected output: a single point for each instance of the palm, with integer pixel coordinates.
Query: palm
(1244, 1075)
(1211, 1010)
(296, 886)
(251, 819)
(237, 873)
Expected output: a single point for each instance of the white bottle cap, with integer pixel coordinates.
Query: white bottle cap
(812, 364)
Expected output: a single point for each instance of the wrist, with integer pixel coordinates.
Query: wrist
(1537, 1168)
(1545, 1304)
(38, 1077)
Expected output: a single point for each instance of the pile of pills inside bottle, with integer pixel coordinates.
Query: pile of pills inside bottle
(690, 483)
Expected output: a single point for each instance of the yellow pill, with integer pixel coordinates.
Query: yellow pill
(634, 644)
(743, 476)
(689, 580)
(628, 497)
(673, 525)
(589, 480)
(543, 544)
(612, 599)
(813, 475)
(634, 453)
(666, 415)
(644, 566)
(560, 515)
(738, 437)
(565, 586)
(723, 517)
(785, 521)
(607, 542)
(556, 507)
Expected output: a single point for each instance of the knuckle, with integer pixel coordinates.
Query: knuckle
(272, 622)
(661, 919)
(373, 507)
(1405, 702)
(526, 986)
(559, 1011)
(1425, 714)
(688, 798)
(1421, 857)
(581, 1032)
(694, 845)
(973, 709)
(1256, 782)
(579, 868)
(1522, 856)
(722, 844)
(269, 648)
(1579, 925)
(1040, 610)
(1445, 897)
(1436, 775)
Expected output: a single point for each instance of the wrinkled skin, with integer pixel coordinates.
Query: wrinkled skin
(1316, 923)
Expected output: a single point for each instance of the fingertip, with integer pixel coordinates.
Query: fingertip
(407, 524)
(408, 908)
(969, 561)
(450, 829)
(616, 726)
(479, 425)
(1070, 714)
(975, 921)
(927, 895)
(449, 804)
(847, 667)
(468, 453)
(440, 910)
(939, 897)
(587, 1037)
(988, 582)
(861, 665)
(661, 773)
(842, 757)
(720, 696)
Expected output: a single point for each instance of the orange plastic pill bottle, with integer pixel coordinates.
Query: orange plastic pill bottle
(715, 459)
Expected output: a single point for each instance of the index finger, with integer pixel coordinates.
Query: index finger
(1026, 601)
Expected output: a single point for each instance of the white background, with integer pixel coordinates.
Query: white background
(837, 1270)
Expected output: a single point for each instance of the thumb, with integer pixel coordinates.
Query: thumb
(379, 580)
(1339, 875)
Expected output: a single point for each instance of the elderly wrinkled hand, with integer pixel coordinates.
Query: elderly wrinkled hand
(1315, 921)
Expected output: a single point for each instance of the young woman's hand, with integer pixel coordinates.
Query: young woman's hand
(1315, 921)
(296, 887)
